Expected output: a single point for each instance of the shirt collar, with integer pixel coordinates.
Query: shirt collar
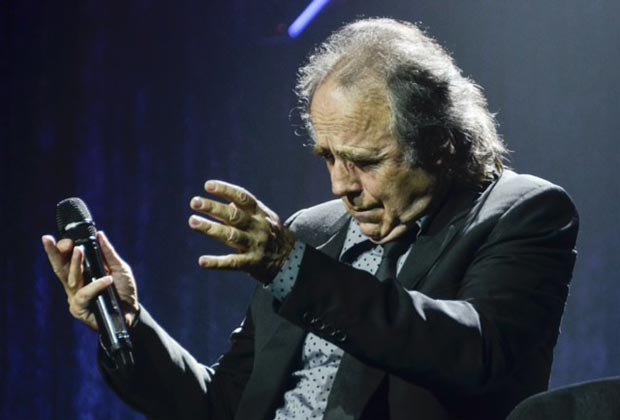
(355, 236)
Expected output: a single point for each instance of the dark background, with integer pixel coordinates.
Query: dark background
(132, 105)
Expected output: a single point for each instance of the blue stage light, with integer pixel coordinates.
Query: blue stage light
(307, 16)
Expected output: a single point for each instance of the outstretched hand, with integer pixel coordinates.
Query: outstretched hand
(245, 224)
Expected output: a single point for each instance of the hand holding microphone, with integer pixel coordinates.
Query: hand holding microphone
(87, 265)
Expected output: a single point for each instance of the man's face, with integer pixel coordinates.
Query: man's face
(368, 170)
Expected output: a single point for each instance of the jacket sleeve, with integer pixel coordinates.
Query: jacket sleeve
(168, 383)
(507, 302)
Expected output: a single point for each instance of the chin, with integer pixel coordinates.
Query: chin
(371, 230)
(380, 233)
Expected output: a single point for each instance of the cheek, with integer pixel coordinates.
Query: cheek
(394, 198)
(398, 191)
(373, 186)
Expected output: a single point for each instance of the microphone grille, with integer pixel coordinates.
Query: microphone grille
(74, 220)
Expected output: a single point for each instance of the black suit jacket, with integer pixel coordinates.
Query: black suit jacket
(466, 331)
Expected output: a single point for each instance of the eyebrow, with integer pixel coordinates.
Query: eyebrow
(319, 150)
(349, 154)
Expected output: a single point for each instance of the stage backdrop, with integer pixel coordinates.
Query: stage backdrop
(133, 105)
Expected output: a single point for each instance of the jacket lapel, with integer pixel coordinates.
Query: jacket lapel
(426, 251)
(333, 245)
(449, 222)
(276, 356)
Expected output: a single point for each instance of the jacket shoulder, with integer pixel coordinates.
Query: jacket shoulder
(513, 189)
(314, 225)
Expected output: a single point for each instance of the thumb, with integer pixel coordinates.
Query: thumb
(80, 302)
(109, 253)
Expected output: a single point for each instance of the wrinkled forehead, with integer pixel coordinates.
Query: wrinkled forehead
(351, 125)
(351, 108)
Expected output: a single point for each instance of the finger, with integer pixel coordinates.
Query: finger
(87, 293)
(48, 241)
(230, 214)
(65, 245)
(76, 269)
(229, 235)
(109, 253)
(56, 258)
(227, 262)
(233, 193)
(49, 245)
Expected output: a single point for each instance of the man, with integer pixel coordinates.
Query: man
(433, 288)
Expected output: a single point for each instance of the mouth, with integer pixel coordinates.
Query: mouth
(366, 215)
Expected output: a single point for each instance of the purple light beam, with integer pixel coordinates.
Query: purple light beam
(307, 16)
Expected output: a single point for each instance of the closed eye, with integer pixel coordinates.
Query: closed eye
(366, 164)
(325, 155)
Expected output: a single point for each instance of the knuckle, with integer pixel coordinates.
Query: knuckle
(81, 297)
(75, 299)
(72, 309)
(255, 258)
(262, 238)
(243, 199)
(234, 214)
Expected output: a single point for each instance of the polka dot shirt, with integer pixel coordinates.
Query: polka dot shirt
(320, 358)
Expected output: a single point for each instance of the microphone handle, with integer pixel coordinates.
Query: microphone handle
(107, 309)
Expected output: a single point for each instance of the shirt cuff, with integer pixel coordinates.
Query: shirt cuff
(286, 278)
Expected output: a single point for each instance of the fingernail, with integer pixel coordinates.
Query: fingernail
(194, 221)
(196, 203)
(64, 244)
(210, 186)
(203, 261)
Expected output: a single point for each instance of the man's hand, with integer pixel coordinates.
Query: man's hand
(67, 263)
(245, 224)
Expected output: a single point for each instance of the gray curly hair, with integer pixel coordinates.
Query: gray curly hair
(439, 117)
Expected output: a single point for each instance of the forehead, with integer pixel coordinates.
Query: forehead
(350, 116)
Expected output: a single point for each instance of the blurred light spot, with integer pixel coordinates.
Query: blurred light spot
(306, 17)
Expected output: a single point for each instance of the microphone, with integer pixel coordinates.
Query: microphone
(75, 222)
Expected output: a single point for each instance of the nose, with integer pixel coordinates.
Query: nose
(344, 179)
